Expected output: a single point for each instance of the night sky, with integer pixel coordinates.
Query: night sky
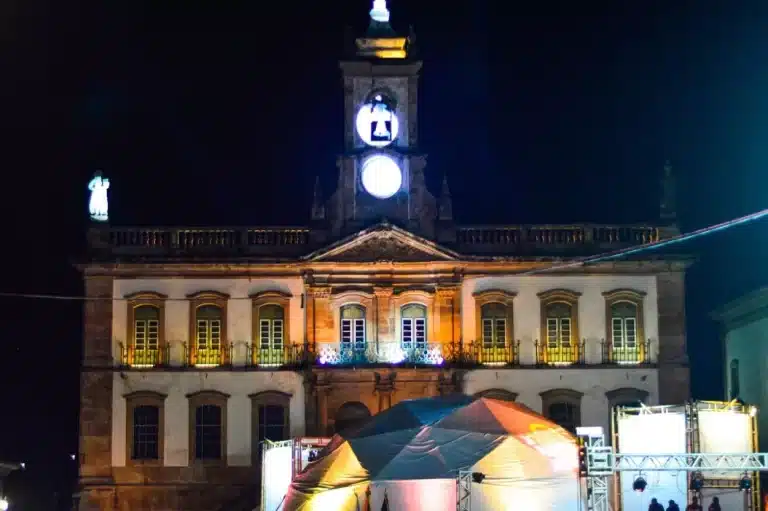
(201, 113)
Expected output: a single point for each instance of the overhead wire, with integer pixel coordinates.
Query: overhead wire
(576, 263)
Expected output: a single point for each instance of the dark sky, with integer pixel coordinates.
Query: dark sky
(202, 113)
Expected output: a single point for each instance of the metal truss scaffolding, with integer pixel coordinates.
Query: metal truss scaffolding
(603, 463)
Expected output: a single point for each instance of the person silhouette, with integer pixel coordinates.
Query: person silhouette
(673, 506)
(655, 506)
(694, 505)
(98, 206)
(715, 505)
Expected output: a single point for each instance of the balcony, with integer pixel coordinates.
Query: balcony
(144, 358)
(637, 354)
(473, 354)
(292, 355)
(217, 356)
(480, 353)
(343, 354)
(563, 355)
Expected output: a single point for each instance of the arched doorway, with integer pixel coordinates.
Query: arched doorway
(351, 414)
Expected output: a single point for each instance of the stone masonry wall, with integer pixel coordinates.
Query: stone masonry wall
(674, 370)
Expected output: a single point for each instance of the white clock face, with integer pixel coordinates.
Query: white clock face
(381, 176)
(377, 123)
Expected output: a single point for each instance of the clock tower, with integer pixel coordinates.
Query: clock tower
(381, 172)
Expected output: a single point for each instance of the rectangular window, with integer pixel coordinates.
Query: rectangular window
(272, 423)
(271, 333)
(487, 332)
(414, 333)
(209, 334)
(501, 332)
(558, 332)
(353, 333)
(208, 432)
(494, 332)
(146, 431)
(264, 334)
(208, 341)
(624, 331)
(146, 340)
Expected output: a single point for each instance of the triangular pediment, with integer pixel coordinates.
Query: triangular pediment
(383, 242)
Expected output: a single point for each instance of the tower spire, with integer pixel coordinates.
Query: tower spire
(445, 206)
(379, 12)
(668, 209)
(318, 208)
(380, 40)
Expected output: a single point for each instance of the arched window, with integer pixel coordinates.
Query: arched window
(271, 327)
(623, 328)
(494, 323)
(566, 415)
(558, 315)
(413, 332)
(146, 335)
(353, 327)
(735, 386)
(625, 342)
(350, 415)
(563, 407)
(208, 321)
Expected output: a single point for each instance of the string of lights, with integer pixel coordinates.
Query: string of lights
(576, 263)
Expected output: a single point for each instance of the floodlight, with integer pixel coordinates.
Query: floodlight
(3, 504)
(639, 484)
(478, 477)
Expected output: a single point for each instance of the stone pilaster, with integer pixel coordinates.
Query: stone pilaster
(96, 384)
(384, 316)
(321, 393)
(450, 383)
(447, 308)
(319, 316)
(674, 371)
(385, 387)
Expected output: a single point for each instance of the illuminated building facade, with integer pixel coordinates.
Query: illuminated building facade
(199, 343)
(744, 324)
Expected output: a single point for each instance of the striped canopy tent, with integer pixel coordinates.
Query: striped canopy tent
(411, 454)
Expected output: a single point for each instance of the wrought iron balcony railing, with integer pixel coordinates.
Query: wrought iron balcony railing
(290, 355)
(144, 358)
(455, 354)
(215, 356)
(637, 354)
(560, 355)
(491, 354)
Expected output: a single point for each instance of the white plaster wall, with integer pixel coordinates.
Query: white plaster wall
(592, 383)
(749, 345)
(177, 385)
(592, 320)
(177, 321)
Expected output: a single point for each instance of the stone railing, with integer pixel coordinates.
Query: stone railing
(533, 238)
(186, 241)
(296, 241)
